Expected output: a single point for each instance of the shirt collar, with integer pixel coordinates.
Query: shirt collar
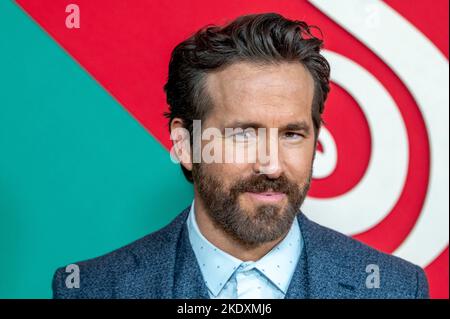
(217, 266)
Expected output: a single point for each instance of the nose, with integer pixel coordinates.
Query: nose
(272, 170)
(267, 160)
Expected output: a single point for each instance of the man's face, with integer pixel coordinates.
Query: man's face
(255, 201)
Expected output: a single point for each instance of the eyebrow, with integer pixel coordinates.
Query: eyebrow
(294, 126)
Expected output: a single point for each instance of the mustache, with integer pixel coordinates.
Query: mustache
(261, 183)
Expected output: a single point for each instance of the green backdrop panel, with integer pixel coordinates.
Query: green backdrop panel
(79, 176)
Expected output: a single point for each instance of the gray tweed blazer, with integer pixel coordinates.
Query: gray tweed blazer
(163, 265)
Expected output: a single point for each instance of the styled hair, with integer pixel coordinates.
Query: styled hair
(258, 38)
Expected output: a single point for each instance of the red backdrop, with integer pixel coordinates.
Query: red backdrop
(126, 48)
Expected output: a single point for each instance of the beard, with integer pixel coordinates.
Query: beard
(266, 223)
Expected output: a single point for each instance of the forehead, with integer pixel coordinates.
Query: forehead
(268, 93)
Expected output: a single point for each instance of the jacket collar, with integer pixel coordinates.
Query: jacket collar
(320, 272)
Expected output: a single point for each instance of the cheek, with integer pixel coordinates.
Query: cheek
(298, 162)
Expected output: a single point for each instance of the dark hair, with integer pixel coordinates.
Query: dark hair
(260, 38)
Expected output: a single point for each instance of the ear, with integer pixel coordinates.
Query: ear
(181, 149)
(316, 143)
(317, 139)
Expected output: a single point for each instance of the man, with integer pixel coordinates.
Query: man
(244, 235)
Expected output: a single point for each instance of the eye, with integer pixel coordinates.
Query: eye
(293, 136)
(245, 135)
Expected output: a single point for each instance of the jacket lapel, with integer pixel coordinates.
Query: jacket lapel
(188, 280)
(178, 274)
(299, 286)
(321, 272)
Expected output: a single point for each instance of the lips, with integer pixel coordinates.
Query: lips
(267, 196)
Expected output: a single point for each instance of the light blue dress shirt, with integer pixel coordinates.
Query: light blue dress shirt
(228, 277)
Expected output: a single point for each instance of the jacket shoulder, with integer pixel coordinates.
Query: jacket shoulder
(98, 277)
(398, 278)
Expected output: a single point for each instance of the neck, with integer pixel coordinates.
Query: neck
(219, 238)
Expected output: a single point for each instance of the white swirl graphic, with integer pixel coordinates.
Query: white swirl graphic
(325, 161)
(425, 72)
(368, 203)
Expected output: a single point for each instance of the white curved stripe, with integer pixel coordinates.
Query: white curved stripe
(325, 161)
(425, 71)
(359, 210)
